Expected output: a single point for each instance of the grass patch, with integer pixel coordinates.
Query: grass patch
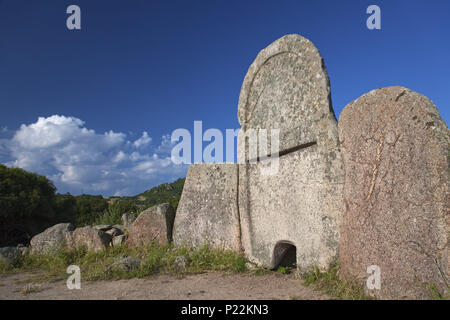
(435, 292)
(330, 283)
(155, 259)
(4, 267)
(282, 270)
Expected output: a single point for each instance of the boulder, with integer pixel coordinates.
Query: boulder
(23, 249)
(120, 227)
(395, 148)
(153, 225)
(51, 239)
(207, 213)
(126, 264)
(291, 195)
(103, 227)
(91, 238)
(181, 263)
(113, 232)
(119, 240)
(9, 255)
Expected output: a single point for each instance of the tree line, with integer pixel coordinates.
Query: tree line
(29, 204)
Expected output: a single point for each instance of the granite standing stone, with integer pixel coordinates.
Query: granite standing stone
(208, 213)
(287, 88)
(395, 148)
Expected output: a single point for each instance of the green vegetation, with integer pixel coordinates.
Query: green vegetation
(26, 204)
(435, 292)
(330, 283)
(166, 192)
(282, 270)
(156, 259)
(29, 205)
(112, 215)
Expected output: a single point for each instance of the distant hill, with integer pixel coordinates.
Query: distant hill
(166, 192)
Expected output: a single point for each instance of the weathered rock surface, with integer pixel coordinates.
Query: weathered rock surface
(51, 239)
(118, 240)
(9, 255)
(113, 232)
(153, 225)
(207, 213)
(23, 249)
(103, 227)
(181, 263)
(120, 227)
(91, 238)
(300, 203)
(396, 153)
(126, 264)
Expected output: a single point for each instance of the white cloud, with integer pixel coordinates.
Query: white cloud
(166, 145)
(78, 159)
(143, 141)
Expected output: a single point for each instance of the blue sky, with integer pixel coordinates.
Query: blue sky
(107, 96)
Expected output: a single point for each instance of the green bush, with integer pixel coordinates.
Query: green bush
(113, 214)
(26, 205)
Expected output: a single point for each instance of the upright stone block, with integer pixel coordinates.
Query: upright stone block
(395, 148)
(207, 213)
(287, 88)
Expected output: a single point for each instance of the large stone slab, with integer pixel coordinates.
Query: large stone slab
(395, 148)
(287, 88)
(208, 213)
(91, 238)
(153, 225)
(51, 239)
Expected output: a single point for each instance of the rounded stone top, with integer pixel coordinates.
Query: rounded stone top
(394, 102)
(285, 84)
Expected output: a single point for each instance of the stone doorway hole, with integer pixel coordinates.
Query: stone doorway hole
(284, 255)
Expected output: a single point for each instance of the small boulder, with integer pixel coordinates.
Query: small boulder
(154, 224)
(120, 227)
(251, 266)
(181, 263)
(119, 240)
(23, 249)
(89, 237)
(51, 239)
(113, 232)
(9, 255)
(103, 227)
(126, 264)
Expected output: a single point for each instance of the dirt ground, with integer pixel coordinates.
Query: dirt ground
(212, 285)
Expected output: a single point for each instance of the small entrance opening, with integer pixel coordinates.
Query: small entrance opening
(284, 255)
